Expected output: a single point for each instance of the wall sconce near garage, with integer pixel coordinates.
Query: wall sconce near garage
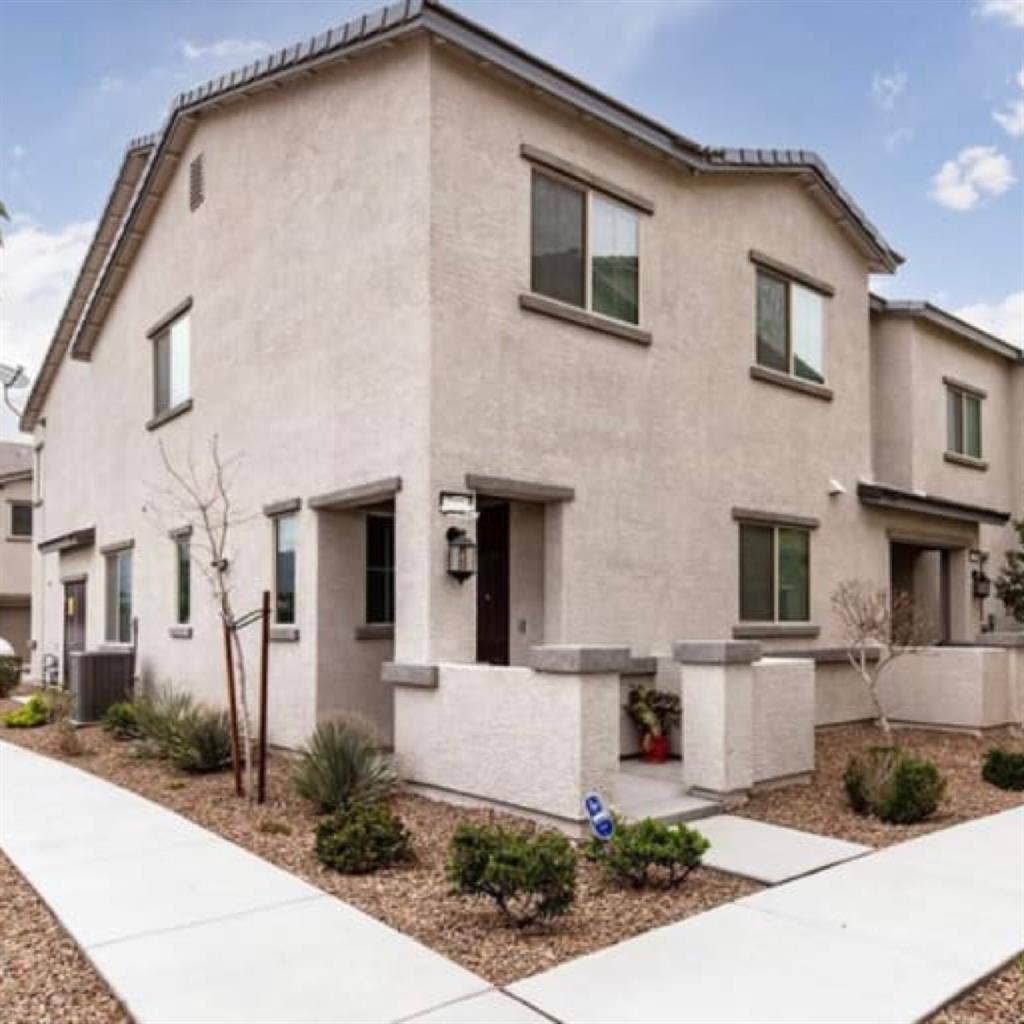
(982, 584)
(461, 554)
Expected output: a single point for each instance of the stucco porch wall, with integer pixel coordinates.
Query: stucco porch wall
(966, 687)
(537, 741)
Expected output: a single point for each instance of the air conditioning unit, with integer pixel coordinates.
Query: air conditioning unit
(99, 679)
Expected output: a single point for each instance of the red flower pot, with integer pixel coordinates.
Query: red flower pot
(656, 749)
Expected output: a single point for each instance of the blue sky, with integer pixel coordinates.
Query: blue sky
(918, 107)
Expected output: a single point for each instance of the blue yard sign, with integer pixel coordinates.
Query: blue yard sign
(602, 824)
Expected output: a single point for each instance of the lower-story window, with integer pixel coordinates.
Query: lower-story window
(775, 577)
(380, 569)
(119, 596)
(183, 571)
(285, 543)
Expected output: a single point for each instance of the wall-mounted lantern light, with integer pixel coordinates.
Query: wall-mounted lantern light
(461, 554)
(982, 583)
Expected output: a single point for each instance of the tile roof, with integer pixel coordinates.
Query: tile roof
(15, 458)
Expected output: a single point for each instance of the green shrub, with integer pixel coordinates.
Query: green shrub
(893, 785)
(342, 765)
(34, 713)
(160, 718)
(529, 876)
(121, 720)
(363, 838)
(10, 675)
(1004, 768)
(201, 742)
(649, 852)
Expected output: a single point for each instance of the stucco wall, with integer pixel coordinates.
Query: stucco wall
(784, 709)
(840, 695)
(652, 438)
(15, 552)
(309, 354)
(532, 740)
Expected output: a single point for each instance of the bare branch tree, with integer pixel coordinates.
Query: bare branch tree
(878, 630)
(202, 501)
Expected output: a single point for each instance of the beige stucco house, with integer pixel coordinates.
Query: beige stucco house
(405, 268)
(16, 500)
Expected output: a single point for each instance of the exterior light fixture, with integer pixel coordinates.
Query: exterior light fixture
(461, 554)
(982, 583)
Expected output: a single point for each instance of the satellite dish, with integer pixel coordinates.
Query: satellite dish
(13, 377)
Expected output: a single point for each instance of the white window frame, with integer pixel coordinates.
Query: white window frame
(166, 334)
(963, 395)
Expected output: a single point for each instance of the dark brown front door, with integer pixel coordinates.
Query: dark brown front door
(492, 585)
(74, 623)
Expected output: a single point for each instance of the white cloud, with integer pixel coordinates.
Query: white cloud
(1012, 118)
(1004, 318)
(223, 48)
(111, 83)
(1010, 11)
(897, 137)
(888, 86)
(978, 172)
(39, 269)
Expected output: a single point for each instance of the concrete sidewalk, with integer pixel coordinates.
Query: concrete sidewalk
(889, 936)
(185, 926)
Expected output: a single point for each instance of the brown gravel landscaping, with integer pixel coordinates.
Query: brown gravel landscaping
(821, 806)
(44, 976)
(1000, 1000)
(415, 899)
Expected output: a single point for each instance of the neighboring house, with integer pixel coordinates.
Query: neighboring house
(407, 258)
(16, 500)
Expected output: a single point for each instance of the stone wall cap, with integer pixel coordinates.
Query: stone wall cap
(406, 674)
(579, 659)
(716, 652)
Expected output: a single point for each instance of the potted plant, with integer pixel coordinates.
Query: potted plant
(654, 712)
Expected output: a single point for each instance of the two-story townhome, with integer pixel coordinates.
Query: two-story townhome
(404, 268)
(16, 500)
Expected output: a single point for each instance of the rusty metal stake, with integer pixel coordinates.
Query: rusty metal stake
(261, 791)
(236, 759)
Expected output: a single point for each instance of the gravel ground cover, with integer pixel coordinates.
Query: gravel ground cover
(1000, 1000)
(44, 977)
(821, 806)
(414, 899)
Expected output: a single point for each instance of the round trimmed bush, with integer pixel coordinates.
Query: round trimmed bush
(362, 839)
(1004, 768)
(649, 852)
(34, 713)
(893, 785)
(121, 720)
(530, 876)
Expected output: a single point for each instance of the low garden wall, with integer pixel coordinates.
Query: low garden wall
(534, 738)
(958, 687)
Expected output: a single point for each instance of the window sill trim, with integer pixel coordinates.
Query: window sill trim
(169, 414)
(18, 539)
(805, 387)
(284, 634)
(375, 631)
(583, 318)
(180, 632)
(967, 461)
(772, 630)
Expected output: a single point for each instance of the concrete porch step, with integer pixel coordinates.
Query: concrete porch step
(656, 791)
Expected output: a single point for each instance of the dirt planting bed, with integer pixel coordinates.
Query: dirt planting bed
(821, 806)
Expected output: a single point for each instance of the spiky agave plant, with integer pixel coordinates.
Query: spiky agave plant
(343, 764)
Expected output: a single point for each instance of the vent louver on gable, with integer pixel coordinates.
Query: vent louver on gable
(196, 185)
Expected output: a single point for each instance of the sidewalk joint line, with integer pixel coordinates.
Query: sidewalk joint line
(448, 1002)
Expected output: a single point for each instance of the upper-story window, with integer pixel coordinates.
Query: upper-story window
(21, 519)
(171, 365)
(584, 248)
(790, 327)
(183, 579)
(963, 421)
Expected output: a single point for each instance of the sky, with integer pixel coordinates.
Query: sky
(918, 107)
